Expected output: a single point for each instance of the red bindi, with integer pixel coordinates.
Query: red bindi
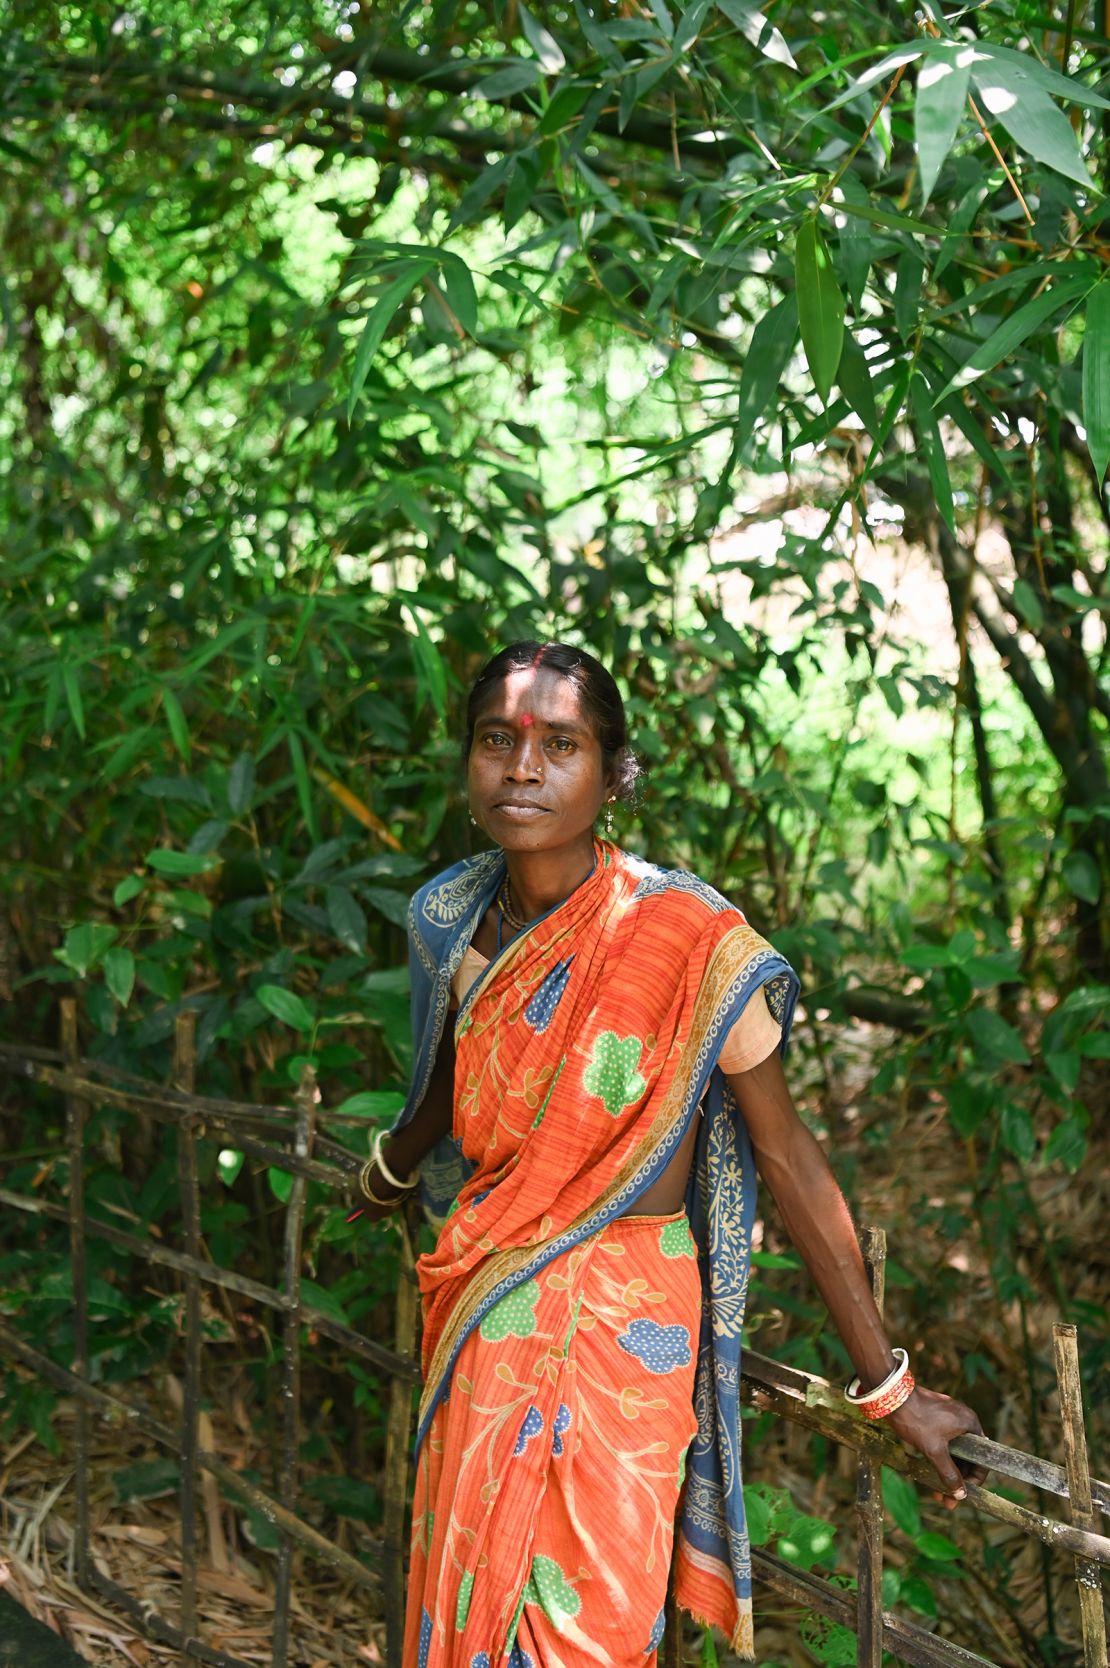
(527, 719)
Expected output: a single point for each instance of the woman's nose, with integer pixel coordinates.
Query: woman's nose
(525, 762)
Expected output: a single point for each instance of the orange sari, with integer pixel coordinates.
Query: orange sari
(561, 1335)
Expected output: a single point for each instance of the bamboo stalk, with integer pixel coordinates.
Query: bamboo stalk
(869, 1498)
(184, 1076)
(1088, 1576)
(377, 1354)
(397, 1438)
(291, 1358)
(115, 1411)
(75, 1142)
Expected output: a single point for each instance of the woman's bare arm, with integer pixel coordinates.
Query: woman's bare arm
(428, 1124)
(817, 1219)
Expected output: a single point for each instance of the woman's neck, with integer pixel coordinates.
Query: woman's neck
(541, 879)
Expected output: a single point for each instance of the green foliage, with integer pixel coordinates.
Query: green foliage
(434, 329)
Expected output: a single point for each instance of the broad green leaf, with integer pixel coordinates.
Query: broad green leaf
(176, 722)
(84, 945)
(749, 19)
(229, 1162)
(129, 887)
(901, 1501)
(281, 1184)
(929, 435)
(820, 306)
(1096, 377)
(378, 320)
(287, 1006)
(378, 1105)
(938, 1547)
(147, 1480)
(689, 26)
(1034, 123)
(1065, 1066)
(767, 356)
(180, 863)
(1081, 876)
(348, 921)
(757, 1514)
(119, 974)
(855, 383)
(995, 1038)
(1018, 1135)
(72, 688)
(1015, 329)
(939, 104)
(549, 54)
(1067, 1145)
(1029, 66)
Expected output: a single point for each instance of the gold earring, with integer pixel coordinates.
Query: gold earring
(609, 817)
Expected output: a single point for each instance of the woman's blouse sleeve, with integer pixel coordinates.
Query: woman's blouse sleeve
(755, 1035)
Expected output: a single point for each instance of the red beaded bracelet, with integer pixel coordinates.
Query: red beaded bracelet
(896, 1388)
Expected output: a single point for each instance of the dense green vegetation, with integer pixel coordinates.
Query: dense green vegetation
(341, 345)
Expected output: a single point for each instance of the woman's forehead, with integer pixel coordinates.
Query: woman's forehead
(536, 695)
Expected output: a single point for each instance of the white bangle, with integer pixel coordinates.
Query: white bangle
(852, 1391)
(386, 1173)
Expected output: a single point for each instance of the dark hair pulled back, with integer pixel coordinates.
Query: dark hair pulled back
(599, 695)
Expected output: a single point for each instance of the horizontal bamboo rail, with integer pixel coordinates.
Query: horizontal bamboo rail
(286, 1139)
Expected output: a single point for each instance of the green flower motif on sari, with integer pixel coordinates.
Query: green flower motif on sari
(675, 1239)
(612, 1073)
(548, 1587)
(462, 1608)
(514, 1316)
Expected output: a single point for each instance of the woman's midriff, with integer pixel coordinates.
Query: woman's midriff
(665, 1196)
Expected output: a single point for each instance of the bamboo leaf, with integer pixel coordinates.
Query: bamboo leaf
(939, 104)
(461, 295)
(820, 306)
(1096, 377)
(549, 53)
(378, 320)
(512, 78)
(1034, 123)
(347, 918)
(176, 722)
(855, 383)
(431, 676)
(929, 435)
(73, 698)
(1014, 330)
(304, 786)
(752, 24)
(240, 784)
(767, 356)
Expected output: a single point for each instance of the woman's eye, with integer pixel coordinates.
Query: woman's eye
(562, 743)
(495, 739)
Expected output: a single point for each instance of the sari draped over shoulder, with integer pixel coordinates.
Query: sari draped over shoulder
(582, 1366)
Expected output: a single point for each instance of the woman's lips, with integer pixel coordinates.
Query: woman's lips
(520, 813)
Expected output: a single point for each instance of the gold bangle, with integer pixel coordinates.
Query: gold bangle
(368, 1192)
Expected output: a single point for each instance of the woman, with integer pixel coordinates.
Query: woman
(591, 1120)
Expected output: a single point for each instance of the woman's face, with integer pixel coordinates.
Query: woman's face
(536, 774)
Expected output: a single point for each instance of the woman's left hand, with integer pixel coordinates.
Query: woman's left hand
(929, 1421)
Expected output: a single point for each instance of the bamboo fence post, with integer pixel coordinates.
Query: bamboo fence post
(184, 1077)
(869, 1499)
(398, 1431)
(76, 1109)
(304, 1130)
(1088, 1576)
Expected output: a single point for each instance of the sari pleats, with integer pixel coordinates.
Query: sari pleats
(548, 1480)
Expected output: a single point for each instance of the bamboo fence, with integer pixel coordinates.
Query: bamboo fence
(291, 1139)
